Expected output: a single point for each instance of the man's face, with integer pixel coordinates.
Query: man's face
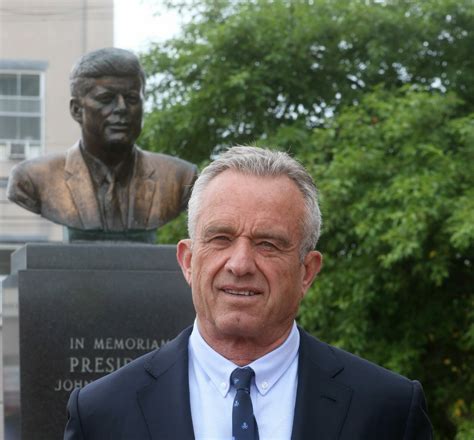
(110, 113)
(244, 266)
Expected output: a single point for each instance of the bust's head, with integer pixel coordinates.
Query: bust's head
(107, 93)
(110, 61)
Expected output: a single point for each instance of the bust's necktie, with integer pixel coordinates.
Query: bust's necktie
(113, 215)
(244, 425)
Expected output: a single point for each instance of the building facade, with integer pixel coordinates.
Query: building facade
(39, 42)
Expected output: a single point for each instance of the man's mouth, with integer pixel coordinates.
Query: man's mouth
(119, 126)
(240, 292)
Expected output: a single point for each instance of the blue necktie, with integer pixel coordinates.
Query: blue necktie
(244, 425)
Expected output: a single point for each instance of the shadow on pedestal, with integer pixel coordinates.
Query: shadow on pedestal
(84, 310)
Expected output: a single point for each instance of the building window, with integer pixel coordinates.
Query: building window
(21, 114)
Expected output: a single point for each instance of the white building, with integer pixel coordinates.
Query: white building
(39, 42)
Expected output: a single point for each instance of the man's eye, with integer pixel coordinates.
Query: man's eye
(220, 238)
(133, 99)
(104, 99)
(268, 245)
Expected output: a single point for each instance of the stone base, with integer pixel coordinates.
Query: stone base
(84, 311)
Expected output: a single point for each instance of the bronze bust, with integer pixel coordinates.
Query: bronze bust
(105, 186)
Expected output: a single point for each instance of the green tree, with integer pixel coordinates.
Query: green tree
(396, 181)
(396, 176)
(242, 70)
(377, 100)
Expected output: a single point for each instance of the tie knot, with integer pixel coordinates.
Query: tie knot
(109, 177)
(241, 378)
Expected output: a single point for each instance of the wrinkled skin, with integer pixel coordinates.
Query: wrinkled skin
(244, 266)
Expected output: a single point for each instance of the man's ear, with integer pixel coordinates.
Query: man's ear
(312, 265)
(75, 107)
(184, 256)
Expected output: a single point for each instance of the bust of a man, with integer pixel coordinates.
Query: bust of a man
(105, 185)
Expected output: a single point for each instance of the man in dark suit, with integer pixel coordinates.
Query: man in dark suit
(245, 370)
(105, 182)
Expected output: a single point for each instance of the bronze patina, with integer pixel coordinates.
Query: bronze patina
(105, 186)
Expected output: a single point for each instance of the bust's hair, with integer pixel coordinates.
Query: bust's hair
(109, 61)
(262, 163)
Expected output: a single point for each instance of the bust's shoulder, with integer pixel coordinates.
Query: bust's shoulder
(40, 165)
(165, 160)
(32, 177)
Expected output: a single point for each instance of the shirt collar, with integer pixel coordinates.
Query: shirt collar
(100, 171)
(268, 369)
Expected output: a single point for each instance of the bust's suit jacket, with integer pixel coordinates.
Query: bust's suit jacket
(339, 396)
(59, 187)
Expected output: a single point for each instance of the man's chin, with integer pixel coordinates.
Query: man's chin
(240, 327)
(115, 146)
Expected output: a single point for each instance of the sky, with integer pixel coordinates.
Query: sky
(136, 24)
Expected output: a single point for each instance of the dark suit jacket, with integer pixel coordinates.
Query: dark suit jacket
(339, 396)
(59, 187)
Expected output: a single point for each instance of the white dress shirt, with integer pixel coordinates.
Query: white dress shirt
(273, 392)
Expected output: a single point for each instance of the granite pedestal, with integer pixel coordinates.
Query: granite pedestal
(84, 310)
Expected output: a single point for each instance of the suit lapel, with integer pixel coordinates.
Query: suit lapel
(321, 402)
(165, 402)
(79, 183)
(142, 191)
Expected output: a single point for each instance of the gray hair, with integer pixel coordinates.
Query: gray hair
(262, 163)
(109, 61)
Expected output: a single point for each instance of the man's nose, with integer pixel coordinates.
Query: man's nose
(120, 104)
(241, 260)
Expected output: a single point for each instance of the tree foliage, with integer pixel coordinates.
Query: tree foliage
(244, 69)
(376, 99)
(396, 176)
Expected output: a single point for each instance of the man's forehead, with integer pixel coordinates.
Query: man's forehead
(111, 82)
(234, 199)
(244, 176)
(116, 79)
(231, 182)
